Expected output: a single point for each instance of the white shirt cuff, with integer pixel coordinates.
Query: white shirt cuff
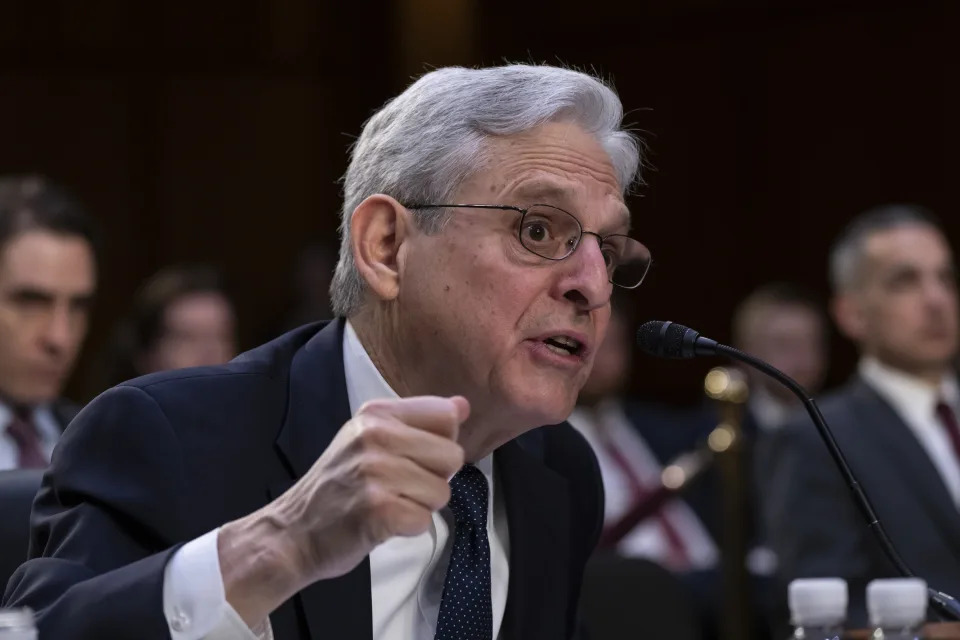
(194, 603)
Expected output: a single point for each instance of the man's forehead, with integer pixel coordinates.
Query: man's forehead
(907, 245)
(49, 263)
(560, 147)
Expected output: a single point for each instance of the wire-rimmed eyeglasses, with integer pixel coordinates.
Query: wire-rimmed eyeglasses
(554, 234)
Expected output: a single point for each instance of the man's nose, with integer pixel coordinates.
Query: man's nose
(58, 331)
(586, 281)
(939, 294)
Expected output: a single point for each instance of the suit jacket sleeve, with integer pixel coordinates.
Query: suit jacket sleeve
(105, 523)
(814, 526)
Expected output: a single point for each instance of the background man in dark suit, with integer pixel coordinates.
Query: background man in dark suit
(783, 324)
(893, 276)
(634, 442)
(300, 490)
(47, 282)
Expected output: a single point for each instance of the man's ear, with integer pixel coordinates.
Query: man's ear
(378, 227)
(847, 312)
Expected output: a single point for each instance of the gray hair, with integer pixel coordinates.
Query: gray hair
(846, 255)
(424, 143)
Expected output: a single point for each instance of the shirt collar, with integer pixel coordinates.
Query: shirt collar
(909, 395)
(6, 415)
(770, 412)
(366, 383)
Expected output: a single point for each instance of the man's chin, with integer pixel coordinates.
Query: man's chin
(921, 362)
(542, 413)
(32, 397)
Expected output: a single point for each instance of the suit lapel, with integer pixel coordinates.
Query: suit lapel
(538, 516)
(911, 462)
(316, 409)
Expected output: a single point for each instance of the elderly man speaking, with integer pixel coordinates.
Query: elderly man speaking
(383, 475)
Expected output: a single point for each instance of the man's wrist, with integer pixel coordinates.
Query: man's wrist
(260, 565)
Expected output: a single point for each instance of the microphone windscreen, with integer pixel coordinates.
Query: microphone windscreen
(663, 339)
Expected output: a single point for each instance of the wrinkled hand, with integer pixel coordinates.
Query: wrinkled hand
(383, 475)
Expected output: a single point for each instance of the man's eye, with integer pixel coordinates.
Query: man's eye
(536, 231)
(611, 257)
(29, 301)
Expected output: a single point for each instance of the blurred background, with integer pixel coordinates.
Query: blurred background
(216, 132)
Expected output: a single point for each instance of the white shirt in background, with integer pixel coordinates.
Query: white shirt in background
(647, 539)
(769, 411)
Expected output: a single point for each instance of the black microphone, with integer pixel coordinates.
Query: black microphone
(671, 340)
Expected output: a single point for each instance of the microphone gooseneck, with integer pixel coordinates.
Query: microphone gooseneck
(670, 340)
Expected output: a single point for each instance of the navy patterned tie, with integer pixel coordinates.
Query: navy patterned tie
(465, 609)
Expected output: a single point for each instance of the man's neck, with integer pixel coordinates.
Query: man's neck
(17, 406)
(375, 337)
(932, 376)
(479, 435)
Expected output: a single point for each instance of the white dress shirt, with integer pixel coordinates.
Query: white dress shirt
(915, 402)
(770, 412)
(406, 573)
(648, 539)
(48, 431)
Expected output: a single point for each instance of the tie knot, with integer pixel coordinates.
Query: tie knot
(21, 425)
(468, 496)
(24, 433)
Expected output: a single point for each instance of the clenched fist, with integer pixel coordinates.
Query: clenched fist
(383, 475)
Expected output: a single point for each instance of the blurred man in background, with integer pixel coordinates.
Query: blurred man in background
(894, 283)
(181, 317)
(785, 326)
(47, 283)
(633, 443)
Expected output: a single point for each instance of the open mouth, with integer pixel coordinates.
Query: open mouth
(564, 345)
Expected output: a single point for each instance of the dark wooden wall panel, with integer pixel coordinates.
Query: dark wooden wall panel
(217, 131)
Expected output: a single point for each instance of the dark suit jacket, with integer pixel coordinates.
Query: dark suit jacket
(161, 460)
(814, 525)
(64, 411)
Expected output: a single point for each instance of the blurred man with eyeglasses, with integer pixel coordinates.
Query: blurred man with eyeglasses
(47, 283)
(384, 475)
